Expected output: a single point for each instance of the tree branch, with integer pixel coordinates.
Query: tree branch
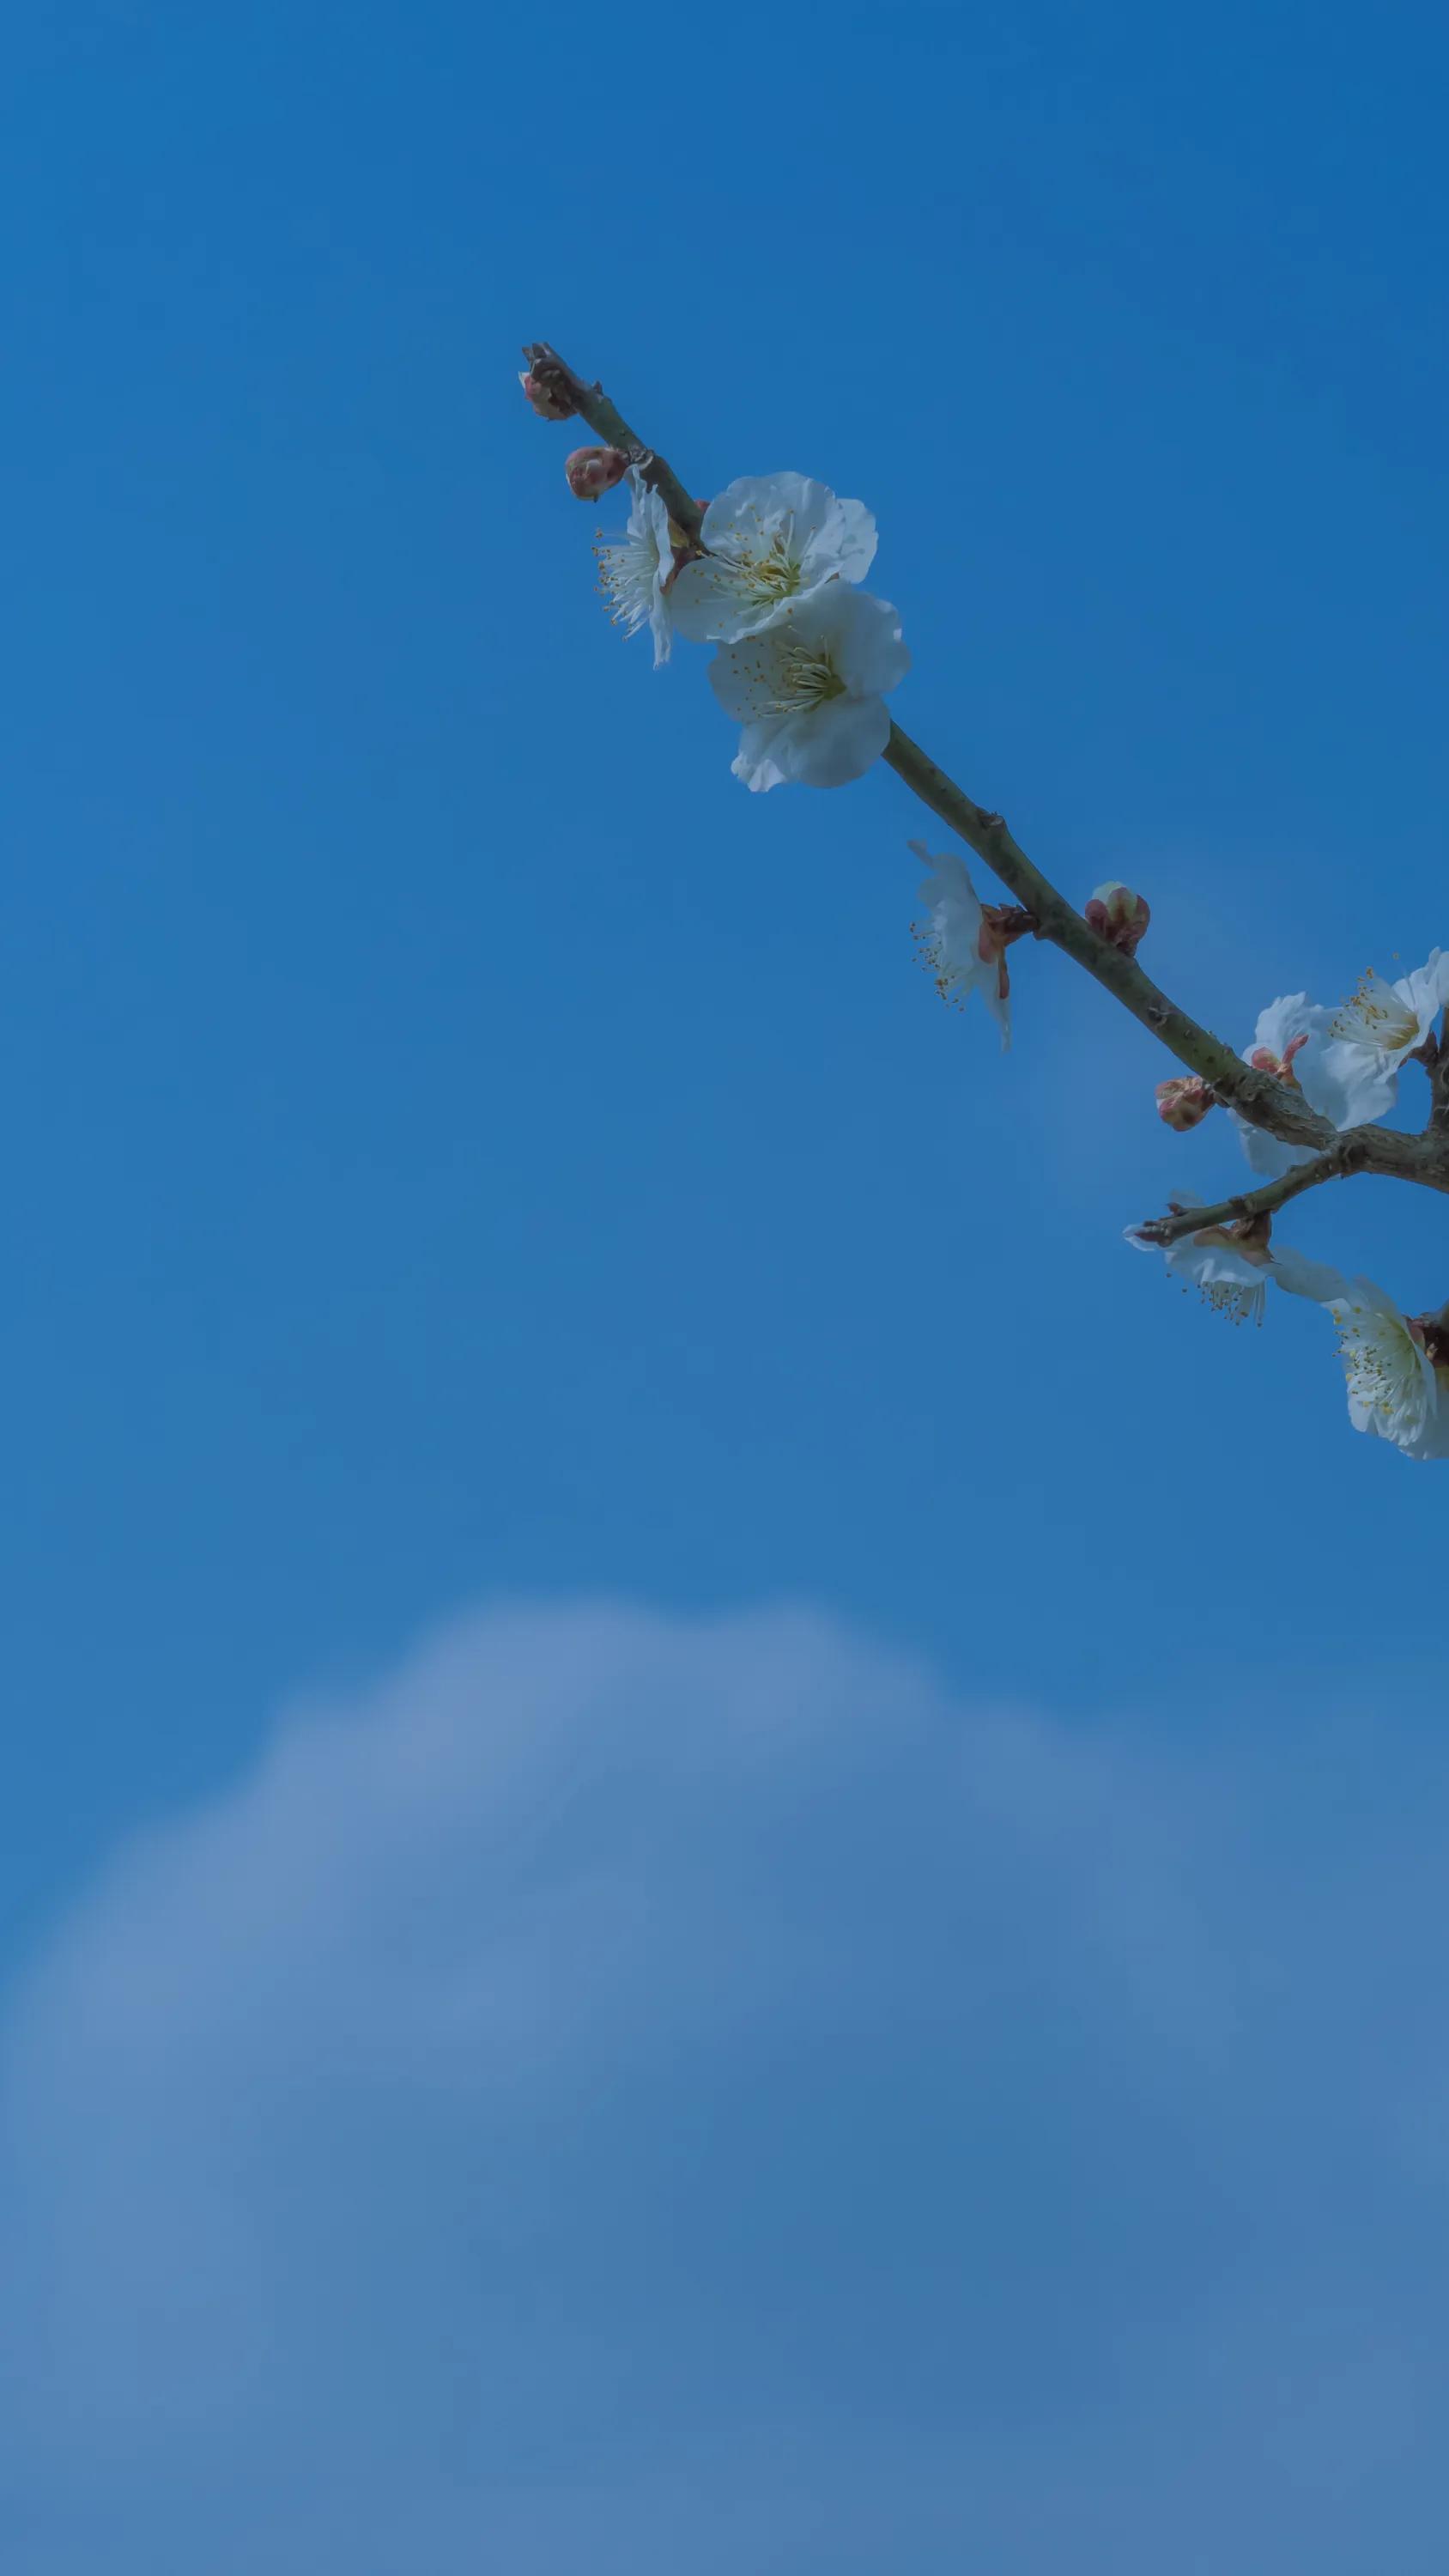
(1262, 1100)
(1259, 1097)
(1381, 1150)
(1166, 1230)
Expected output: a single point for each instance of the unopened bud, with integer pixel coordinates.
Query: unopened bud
(1184, 1101)
(548, 400)
(592, 470)
(1118, 916)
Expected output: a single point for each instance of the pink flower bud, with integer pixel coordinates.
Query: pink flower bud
(1184, 1101)
(1118, 916)
(549, 401)
(592, 470)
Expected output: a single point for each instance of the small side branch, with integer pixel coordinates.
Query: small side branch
(1381, 1150)
(1247, 1204)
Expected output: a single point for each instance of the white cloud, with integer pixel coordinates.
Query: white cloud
(649, 2094)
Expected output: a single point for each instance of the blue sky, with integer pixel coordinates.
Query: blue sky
(465, 1151)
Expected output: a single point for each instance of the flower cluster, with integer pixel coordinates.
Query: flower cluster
(804, 659)
(770, 574)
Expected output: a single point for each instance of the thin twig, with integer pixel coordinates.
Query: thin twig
(1247, 1204)
(1384, 1151)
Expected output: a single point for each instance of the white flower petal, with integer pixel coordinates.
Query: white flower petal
(1354, 1084)
(1299, 1277)
(748, 680)
(1346, 1084)
(763, 504)
(633, 571)
(838, 742)
(870, 651)
(1266, 1154)
(950, 938)
(798, 691)
(774, 541)
(1426, 992)
(1282, 1022)
(756, 760)
(714, 602)
(853, 539)
(1393, 1393)
(1235, 1282)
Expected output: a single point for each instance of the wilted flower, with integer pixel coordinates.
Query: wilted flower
(771, 542)
(809, 693)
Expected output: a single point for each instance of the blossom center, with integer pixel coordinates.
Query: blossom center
(804, 676)
(1377, 1016)
(1380, 1361)
(774, 570)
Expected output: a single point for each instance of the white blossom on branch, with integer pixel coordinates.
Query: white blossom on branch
(768, 572)
(810, 692)
(1395, 1389)
(1382, 1026)
(963, 942)
(635, 568)
(1291, 1041)
(772, 541)
(1232, 1265)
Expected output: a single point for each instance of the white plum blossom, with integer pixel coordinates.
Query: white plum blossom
(1395, 1391)
(809, 693)
(1381, 1027)
(1291, 1041)
(959, 947)
(1231, 1266)
(1229, 1271)
(772, 541)
(634, 571)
